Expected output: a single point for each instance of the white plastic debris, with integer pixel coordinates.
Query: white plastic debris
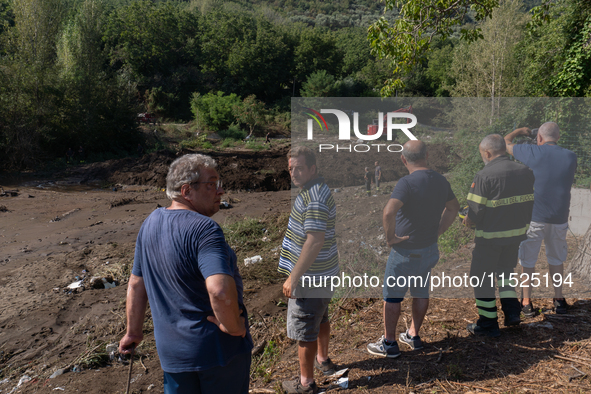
(265, 239)
(343, 382)
(56, 373)
(252, 260)
(112, 348)
(339, 373)
(23, 379)
(59, 388)
(4, 381)
(75, 285)
(150, 387)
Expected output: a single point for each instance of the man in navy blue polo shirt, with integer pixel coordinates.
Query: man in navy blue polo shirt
(554, 169)
(186, 270)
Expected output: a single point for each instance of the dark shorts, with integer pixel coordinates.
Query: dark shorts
(409, 268)
(304, 316)
(232, 378)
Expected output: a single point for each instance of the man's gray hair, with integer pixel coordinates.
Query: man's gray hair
(415, 152)
(549, 131)
(185, 170)
(494, 143)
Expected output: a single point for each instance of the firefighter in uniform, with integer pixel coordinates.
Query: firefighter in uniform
(500, 206)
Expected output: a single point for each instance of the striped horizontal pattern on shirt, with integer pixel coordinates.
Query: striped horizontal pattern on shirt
(314, 210)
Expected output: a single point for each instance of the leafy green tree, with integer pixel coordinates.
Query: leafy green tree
(316, 50)
(213, 111)
(487, 67)
(158, 44)
(319, 84)
(6, 15)
(439, 68)
(406, 42)
(355, 49)
(98, 108)
(29, 99)
(555, 55)
(251, 112)
(245, 55)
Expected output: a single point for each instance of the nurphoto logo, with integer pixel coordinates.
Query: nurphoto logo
(344, 130)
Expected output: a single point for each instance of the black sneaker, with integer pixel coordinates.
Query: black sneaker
(380, 348)
(560, 306)
(295, 387)
(415, 342)
(492, 332)
(529, 310)
(512, 319)
(327, 367)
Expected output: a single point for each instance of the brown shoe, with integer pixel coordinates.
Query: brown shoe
(295, 387)
(326, 367)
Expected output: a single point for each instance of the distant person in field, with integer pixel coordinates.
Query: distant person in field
(185, 269)
(268, 138)
(378, 176)
(368, 181)
(421, 208)
(70, 155)
(554, 169)
(81, 154)
(500, 205)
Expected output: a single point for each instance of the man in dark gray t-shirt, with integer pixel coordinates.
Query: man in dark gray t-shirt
(421, 208)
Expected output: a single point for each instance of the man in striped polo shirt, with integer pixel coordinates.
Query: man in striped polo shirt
(501, 200)
(309, 250)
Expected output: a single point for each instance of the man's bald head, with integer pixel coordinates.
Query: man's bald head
(549, 131)
(414, 151)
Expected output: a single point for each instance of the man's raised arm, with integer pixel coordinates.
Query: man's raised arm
(511, 136)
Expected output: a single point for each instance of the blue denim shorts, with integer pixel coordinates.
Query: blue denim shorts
(409, 268)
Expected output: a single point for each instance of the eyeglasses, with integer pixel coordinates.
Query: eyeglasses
(218, 184)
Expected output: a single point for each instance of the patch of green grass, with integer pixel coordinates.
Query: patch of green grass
(158, 146)
(199, 142)
(257, 236)
(456, 236)
(255, 145)
(228, 143)
(263, 364)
